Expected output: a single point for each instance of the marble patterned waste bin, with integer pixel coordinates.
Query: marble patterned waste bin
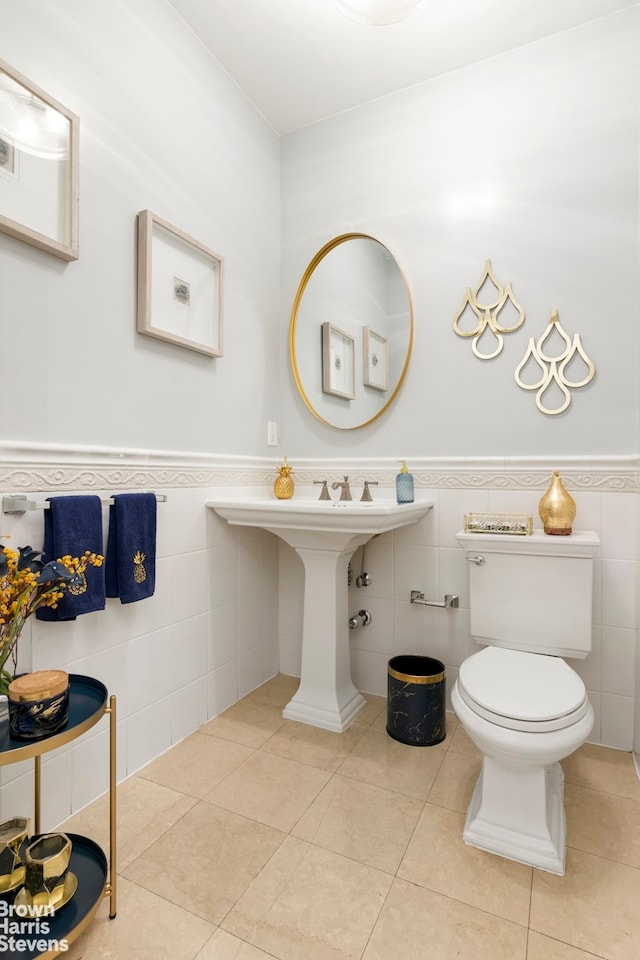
(416, 700)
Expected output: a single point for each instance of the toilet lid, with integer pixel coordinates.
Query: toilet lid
(528, 688)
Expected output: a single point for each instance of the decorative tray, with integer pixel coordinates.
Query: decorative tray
(88, 865)
(519, 524)
(87, 702)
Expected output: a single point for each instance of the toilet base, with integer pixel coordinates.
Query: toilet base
(517, 812)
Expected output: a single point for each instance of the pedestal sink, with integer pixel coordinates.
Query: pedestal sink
(325, 535)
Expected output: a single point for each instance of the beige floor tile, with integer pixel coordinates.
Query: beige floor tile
(196, 765)
(544, 948)
(380, 722)
(310, 904)
(287, 838)
(603, 824)
(376, 707)
(144, 811)
(271, 789)
(206, 861)
(593, 907)
(146, 927)
(383, 762)
(320, 748)
(438, 859)
(461, 743)
(416, 924)
(250, 722)
(277, 691)
(455, 781)
(601, 768)
(224, 946)
(362, 822)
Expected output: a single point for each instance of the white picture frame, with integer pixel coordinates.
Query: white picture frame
(338, 362)
(180, 284)
(375, 361)
(39, 163)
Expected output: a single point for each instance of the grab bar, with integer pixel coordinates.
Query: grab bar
(450, 600)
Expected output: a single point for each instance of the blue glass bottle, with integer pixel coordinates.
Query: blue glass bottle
(404, 484)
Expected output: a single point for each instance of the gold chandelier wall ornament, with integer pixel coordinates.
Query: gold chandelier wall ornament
(553, 367)
(487, 313)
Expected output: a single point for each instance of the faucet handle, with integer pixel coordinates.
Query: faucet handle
(324, 493)
(366, 493)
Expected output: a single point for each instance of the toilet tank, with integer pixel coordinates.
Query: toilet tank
(532, 593)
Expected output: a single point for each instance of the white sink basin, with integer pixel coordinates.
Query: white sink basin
(324, 534)
(311, 521)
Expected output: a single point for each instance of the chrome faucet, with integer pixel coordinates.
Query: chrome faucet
(345, 491)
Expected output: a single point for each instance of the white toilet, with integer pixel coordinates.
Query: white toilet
(530, 600)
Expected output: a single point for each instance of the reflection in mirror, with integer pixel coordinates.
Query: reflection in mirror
(38, 167)
(351, 331)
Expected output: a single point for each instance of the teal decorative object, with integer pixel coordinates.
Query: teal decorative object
(404, 484)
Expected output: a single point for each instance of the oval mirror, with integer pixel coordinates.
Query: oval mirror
(351, 331)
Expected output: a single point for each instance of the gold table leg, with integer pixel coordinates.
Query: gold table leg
(37, 774)
(111, 710)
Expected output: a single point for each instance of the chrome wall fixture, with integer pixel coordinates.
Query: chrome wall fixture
(362, 619)
(450, 600)
(363, 579)
(19, 503)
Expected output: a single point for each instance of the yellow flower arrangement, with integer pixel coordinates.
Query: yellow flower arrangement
(26, 583)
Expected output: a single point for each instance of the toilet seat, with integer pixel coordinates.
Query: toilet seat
(522, 691)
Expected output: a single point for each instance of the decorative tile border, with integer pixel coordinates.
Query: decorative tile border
(29, 467)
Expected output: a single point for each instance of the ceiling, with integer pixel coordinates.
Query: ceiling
(300, 61)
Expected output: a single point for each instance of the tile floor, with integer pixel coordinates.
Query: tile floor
(259, 838)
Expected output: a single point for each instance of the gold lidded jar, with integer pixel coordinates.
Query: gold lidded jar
(557, 508)
(284, 486)
(38, 704)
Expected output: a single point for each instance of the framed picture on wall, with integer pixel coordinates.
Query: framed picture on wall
(375, 360)
(38, 167)
(338, 362)
(179, 287)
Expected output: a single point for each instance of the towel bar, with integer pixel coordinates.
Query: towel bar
(18, 503)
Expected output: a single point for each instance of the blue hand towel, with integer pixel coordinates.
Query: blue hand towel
(131, 547)
(71, 526)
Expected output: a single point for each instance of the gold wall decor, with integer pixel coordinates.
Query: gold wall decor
(487, 314)
(553, 367)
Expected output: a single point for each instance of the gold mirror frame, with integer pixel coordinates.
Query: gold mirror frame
(383, 398)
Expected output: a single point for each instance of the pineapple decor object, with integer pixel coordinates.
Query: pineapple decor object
(139, 569)
(284, 486)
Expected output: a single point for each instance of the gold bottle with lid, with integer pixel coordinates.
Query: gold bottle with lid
(284, 486)
(557, 508)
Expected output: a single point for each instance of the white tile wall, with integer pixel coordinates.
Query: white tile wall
(227, 615)
(426, 556)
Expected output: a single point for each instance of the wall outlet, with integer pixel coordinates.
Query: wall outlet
(272, 434)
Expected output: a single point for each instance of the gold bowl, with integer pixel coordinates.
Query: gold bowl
(46, 867)
(14, 835)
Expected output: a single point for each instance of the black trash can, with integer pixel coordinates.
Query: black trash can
(416, 700)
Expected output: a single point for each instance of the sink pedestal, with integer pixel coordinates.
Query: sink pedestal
(325, 535)
(326, 696)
